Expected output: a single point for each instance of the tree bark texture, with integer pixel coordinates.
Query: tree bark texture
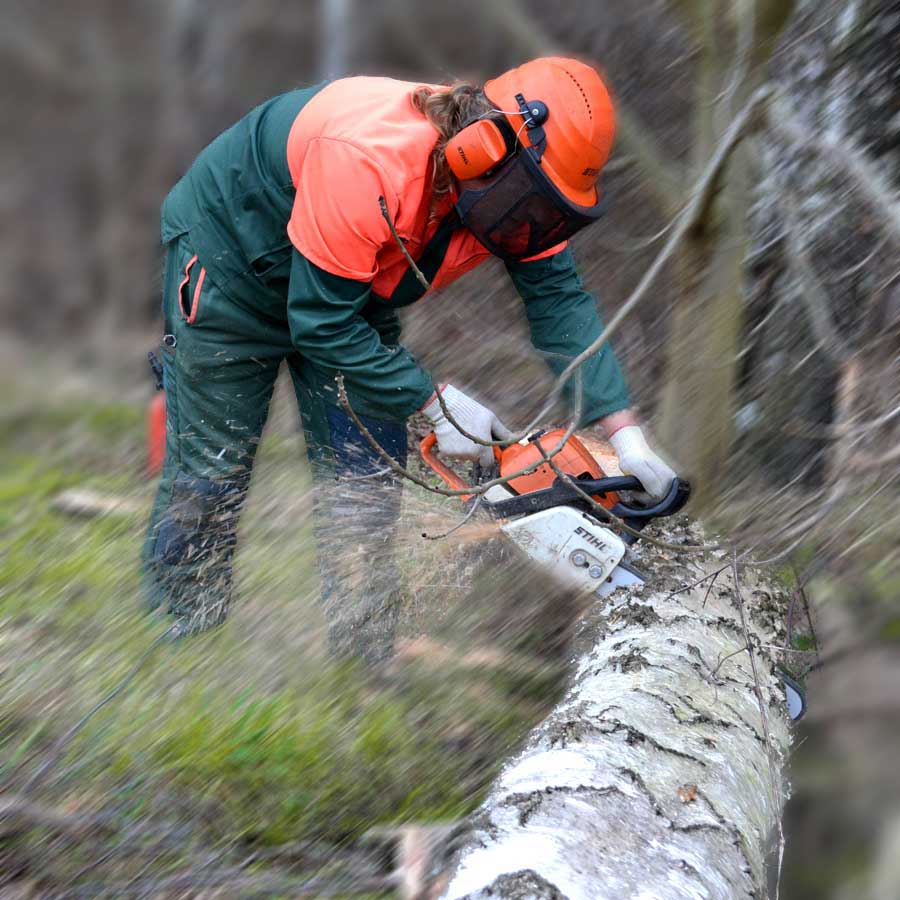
(696, 421)
(825, 250)
(659, 775)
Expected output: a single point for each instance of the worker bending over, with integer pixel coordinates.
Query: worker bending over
(280, 249)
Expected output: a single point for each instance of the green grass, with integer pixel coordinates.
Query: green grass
(286, 765)
(250, 732)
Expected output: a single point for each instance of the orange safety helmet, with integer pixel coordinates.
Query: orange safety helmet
(542, 149)
(579, 127)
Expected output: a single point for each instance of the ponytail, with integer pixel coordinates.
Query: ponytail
(449, 111)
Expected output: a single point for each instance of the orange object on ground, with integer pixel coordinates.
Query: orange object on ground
(156, 434)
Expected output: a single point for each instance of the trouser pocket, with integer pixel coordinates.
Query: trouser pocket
(190, 290)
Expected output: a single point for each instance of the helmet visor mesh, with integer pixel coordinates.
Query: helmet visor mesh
(521, 213)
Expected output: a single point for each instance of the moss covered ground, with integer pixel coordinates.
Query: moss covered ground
(235, 741)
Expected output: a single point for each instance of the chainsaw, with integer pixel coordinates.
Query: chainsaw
(552, 521)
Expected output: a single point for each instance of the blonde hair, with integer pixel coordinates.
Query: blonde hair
(449, 111)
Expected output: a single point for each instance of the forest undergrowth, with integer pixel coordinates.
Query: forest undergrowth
(236, 744)
(244, 762)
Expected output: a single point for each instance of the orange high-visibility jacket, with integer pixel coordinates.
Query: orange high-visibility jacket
(287, 206)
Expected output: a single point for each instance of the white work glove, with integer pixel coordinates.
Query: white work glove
(636, 458)
(473, 417)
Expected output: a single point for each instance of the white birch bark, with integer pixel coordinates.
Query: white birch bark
(654, 777)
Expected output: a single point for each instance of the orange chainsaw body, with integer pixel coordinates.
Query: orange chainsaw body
(574, 459)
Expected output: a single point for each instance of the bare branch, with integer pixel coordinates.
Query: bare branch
(405, 473)
(687, 219)
(473, 508)
(783, 121)
(412, 263)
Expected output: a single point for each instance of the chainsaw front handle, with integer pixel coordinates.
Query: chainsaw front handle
(563, 493)
(675, 498)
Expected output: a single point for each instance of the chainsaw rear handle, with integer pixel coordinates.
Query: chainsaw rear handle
(440, 468)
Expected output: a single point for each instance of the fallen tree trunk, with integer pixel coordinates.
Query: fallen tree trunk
(660, 773)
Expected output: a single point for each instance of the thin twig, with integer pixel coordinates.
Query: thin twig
(468, 516)
(710, 586)
(379, 473)
(444, 492)
(724, 659)
(697, 583)
(412, 263)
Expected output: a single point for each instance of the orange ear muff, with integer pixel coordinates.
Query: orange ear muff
(476, 149)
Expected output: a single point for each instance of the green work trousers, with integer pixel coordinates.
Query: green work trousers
(220, 363)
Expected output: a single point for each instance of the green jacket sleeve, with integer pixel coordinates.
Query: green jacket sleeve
(335, 326)
(564, 320)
